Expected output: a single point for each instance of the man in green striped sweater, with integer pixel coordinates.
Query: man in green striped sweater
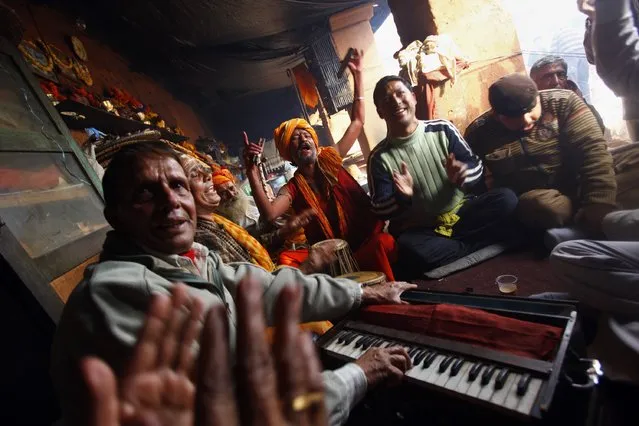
(418, 177)
(546, 146)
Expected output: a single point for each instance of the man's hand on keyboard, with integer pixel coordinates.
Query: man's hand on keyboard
(385, 294)
(384, 365)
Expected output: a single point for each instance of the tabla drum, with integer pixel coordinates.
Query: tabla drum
(345, 262)
(366, 278)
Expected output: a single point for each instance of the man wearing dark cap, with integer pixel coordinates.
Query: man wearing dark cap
(549, 149)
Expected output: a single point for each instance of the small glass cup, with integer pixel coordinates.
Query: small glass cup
(507, 283)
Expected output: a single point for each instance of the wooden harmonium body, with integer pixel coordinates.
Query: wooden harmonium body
(501, 354)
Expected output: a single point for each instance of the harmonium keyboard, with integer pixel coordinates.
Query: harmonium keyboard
(513, 384)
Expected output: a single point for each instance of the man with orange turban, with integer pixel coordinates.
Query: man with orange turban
(342, 208)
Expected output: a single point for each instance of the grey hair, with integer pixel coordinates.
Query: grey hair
(548, 60)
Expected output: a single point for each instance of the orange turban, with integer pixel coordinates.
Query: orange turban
(222, 176)
(284, 133)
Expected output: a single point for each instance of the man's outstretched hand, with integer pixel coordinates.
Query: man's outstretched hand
(403, 181)
(385, 294)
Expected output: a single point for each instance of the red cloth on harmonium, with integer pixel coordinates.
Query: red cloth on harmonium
(469, 325)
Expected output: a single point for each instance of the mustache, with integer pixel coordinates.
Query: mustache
(304, 145)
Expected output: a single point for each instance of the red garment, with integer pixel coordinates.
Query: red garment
(375, 254)
(373, 249)
(293, 258)
(469, 325)
(361, 222)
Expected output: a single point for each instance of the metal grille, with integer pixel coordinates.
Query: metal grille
(323, 63)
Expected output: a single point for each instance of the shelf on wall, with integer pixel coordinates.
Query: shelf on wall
(87, 116)
(27, 198)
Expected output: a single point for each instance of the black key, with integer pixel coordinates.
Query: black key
(488, 374)
(457, 366)
(474, 371)
(522, 385)
(420, 356)
(443, 366)
(360, 341)
(377, 343)
(340, 337)
(350, 338)
(429, 359)
(501, 378)
(368, 342)
(413, 351)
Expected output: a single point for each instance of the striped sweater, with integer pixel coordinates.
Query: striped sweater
(424, 152)
(565, 151)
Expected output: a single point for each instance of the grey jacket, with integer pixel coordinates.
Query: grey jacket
(616, 43)
(106, 311)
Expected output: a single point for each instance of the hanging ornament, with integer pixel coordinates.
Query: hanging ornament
(78, 48)
(36, 57)
(83, 73)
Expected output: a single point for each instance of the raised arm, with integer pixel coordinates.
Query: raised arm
(270, 210)
(357, 112)
(616, 43)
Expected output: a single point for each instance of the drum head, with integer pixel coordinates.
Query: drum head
(336, 244)
(365, 277)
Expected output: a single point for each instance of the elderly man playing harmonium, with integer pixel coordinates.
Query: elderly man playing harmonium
(151, 209)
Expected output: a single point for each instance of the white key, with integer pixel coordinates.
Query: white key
(476, 387)
(529, 398)
(464, 385)
(443, 377)
(432, 373)
(417, 370)
(331, 346)
(489, 388)
(348, 349)
(499, 396)
(512, 399)
(353, 351)
(454, 381)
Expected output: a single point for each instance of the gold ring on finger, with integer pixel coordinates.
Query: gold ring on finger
(304, 401)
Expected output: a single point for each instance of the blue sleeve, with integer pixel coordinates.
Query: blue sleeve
(458, 146)
(384, 199)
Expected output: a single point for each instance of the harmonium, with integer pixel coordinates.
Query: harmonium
(476, 359)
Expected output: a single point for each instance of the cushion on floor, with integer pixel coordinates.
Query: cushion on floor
(467, 261)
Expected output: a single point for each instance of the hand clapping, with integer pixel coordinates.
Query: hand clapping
(456, 170)
(403, 181)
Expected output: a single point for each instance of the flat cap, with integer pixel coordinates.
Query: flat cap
(513, 95)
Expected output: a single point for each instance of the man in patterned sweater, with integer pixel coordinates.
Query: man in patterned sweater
(418, 176)
(546, 146)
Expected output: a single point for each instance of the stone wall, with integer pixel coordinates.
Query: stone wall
(486, 35)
